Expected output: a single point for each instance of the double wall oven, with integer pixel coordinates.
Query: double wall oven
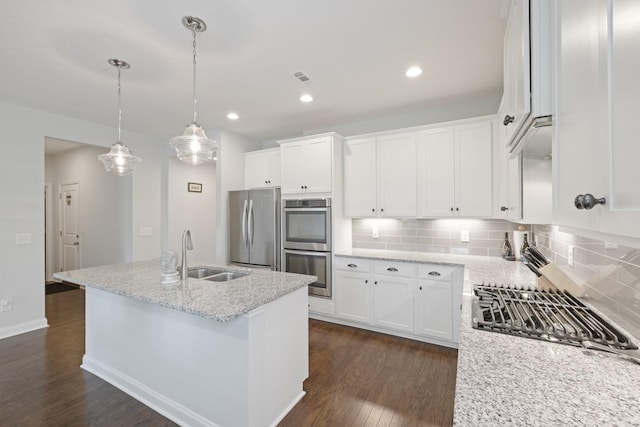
(306, 241)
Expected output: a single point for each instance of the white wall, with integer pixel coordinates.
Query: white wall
(230, 176)
(105, 206)
(193, 211)
(22, 203)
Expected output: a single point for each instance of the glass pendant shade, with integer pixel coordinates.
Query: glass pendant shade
(193, 146)
(119, 160)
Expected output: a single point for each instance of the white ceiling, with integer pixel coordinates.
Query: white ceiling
(53, 56)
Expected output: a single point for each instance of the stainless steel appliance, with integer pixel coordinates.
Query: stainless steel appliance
(545, 315)
(306, 241)
(254, 228)
(307, 224)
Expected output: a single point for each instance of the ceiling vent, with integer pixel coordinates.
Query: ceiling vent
(301, 77)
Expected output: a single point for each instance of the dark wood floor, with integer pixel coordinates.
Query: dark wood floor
(357, 378)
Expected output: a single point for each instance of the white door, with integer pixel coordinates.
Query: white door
(437, 187)
(360, 178)
(69, 226)
(393, 302)
(434, 303)
(256, 170)
(473, 170)
(353, 296)
(292, 158)
(317, 165)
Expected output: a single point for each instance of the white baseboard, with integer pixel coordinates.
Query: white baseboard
(21, 328)
(288, 409)
(154, 400)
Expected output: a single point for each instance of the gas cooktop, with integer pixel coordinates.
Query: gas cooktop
(545, 315)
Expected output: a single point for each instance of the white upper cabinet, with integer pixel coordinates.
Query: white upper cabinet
(307, 165)
(455, 171)
(380, 176)
(517, 77)
(595, 145)
(262, 168)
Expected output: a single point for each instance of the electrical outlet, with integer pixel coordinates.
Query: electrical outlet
(23, 239)
(464, 236)
(6, 304)
(374, 232)
(570, 255)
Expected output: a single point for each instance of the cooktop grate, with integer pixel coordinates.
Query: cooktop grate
(546, 315)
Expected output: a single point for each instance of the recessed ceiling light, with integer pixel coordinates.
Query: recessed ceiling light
(306, 98)
(413, 72)
(233, 116)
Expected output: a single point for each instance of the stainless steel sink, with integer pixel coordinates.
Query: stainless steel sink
(202, 272)
(226, 276)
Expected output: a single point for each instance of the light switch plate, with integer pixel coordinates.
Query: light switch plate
(570, 255)
(23, 239)
(464, 236)
(374, 232)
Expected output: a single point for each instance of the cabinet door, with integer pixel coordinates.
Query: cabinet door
(514, 188)
(397, 176)
(274, 168)
(581, 131)
(622, 217)
(256, 170)
(360, 178)
(393, 302)
(317, 165)
(436, 163)
(517, 65)
(353, 296)
(434, 302)
(473, 171)
(293, 167)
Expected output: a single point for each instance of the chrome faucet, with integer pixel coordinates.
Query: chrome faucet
(187, 245)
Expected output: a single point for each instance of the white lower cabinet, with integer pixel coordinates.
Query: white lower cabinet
(419, 301)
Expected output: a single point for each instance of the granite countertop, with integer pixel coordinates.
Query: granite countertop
(506, 380)
(221, 301)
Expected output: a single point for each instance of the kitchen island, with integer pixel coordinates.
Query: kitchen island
(200, 353)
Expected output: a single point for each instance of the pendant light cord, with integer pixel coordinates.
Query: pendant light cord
(194, 74)
(119, 108)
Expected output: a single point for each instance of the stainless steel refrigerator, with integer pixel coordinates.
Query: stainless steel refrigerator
(254, 227)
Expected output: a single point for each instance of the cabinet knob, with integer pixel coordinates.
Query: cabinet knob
(588, 201)
(381, 210)
(434, 273)
(305, 187)
(420, 287)
(352, 265)
(504, 208)
(373, 210)
(451, 209)
(508, 119)
(302, 187)
(392, 269)
(366, 281)
(457, 210)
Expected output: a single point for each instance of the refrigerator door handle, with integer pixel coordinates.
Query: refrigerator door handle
(244, 223)
(250, 224)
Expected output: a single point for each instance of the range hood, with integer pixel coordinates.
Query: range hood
(533, 138)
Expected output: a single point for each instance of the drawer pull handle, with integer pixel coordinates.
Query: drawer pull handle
(434, 273)
(392, 269)
(352, 265)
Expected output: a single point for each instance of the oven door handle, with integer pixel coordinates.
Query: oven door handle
(310, 253)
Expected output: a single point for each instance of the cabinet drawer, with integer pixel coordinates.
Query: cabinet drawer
(352, 264)
(395, 268)
(435, 272)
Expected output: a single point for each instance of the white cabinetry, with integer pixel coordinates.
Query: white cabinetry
(380, 176)
(595, 148)
(419, 301)
(455, 173)
(434, 301)
(262, 168)
(307, 165)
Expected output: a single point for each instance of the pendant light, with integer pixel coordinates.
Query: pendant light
(119, 160)
(193, 146)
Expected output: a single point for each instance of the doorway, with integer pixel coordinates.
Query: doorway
(69, 215)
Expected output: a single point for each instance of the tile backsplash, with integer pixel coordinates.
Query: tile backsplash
(609, 272)
(433, 235)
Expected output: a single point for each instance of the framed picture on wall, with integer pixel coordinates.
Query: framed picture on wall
(194, 187)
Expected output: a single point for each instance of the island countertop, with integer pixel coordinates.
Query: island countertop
(221, 301)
